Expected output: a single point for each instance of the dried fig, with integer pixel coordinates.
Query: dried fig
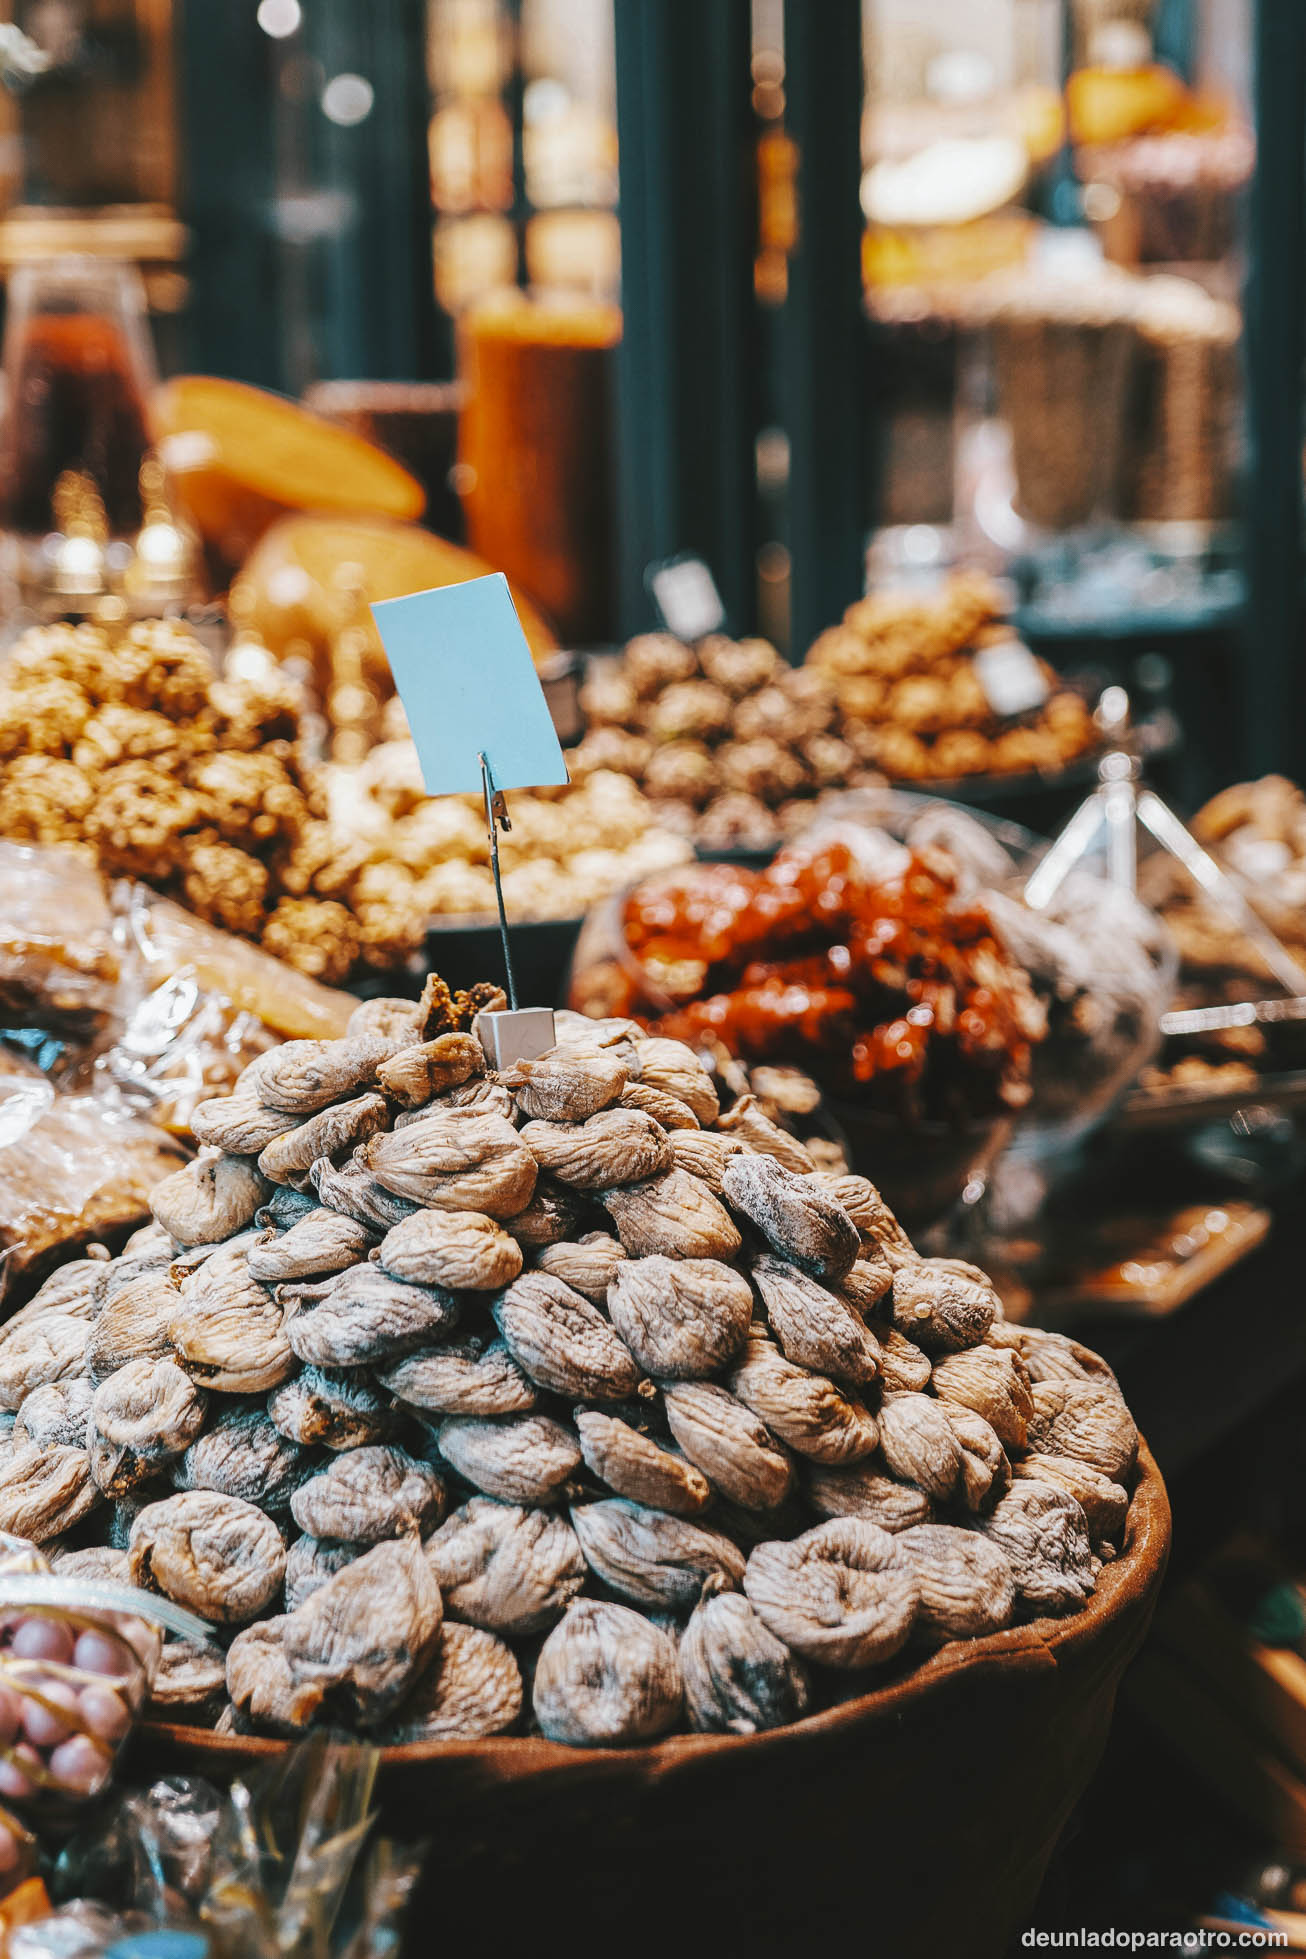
(142, 1418)
(562, 1342)
(216, 1555)
(55, 1416)
(1055, 1357)
(865, 1492)
(310, 1561)
(843, 1594)
(805, 1410)
(967, 1587)
(766, 1138)
(814, 1328)
(554, 1213)
(413, 1075)
(304, 1076)
(239, 1125)
(523, 1459)
(677, 1070)
(1104, 1503)
(229, 1333)
(616, 1146)
(244, 1455)
(364, 1318)
(739, 1678)
(369, 1494)
(917, 1442)
(460, 1160)
(590, 1265)
(633, 1465)
(51, 1348)
(568, 1084)
(1044, 1535)
(985, 1470)
(208, 1200)
(904, 1369)
(704, 1155)
(338, 1410)
(668, 1111)
(459, 1249)
(866, 1283)
(1085, 1419)
(606, 1678)
(674, 1214)
(477, 1377)
(993, 1382)
(472, 1688)
(941, 1308)
(660, 1562)
(262, 1685)
(735, 1451)
(681, 1318)
(320, 1243)
(45, 1491)
(190, 1679)
(365, 1636)
(388, 1017)
(504, 1568)
(795, 1215)
(352, 1190)
(289, 1158)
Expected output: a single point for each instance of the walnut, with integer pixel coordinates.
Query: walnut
(764, 767)
(248, 797)
(317, 936)
(656, 660)
(128, 734)
(682, 770)
(737, 822)
(225, 885)
(691, 710)
(43, 799)
(609, 748)
(46, 716)
(159, 664)
(739, 667)
(608, 699)
(138, 819)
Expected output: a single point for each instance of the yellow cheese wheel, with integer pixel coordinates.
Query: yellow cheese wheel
(239, 458)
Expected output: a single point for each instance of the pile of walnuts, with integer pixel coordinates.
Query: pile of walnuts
(560, 1401)
(129, 748)
(911, 703)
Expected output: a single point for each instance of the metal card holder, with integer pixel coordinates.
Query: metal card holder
(520, 1033)
(1114, 810)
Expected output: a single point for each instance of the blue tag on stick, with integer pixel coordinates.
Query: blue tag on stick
(464, 672)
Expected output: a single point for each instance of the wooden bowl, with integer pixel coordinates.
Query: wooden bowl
(915, 1820)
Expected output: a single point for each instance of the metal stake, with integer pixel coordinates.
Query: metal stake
(497, 818)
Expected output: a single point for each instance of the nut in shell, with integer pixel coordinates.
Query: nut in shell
(505, 1568)
(843, 1594)
(739, 1678)
(606, 1677)
(798, 1219)
(661, 1562)
(683, 1319)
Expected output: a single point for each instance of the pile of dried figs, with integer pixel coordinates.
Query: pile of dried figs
(559, 1399)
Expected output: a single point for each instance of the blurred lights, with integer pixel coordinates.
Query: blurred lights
(279, 18)
(347, 100)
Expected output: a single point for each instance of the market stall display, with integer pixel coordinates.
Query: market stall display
(129, 747)
(816, 1448)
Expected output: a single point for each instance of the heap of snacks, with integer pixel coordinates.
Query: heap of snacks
(430, 856)
(911, 700)
(449, 1400)
(132, 751)
(730, 742)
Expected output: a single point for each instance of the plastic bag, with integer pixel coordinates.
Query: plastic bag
(74, 1168)
(59, 965)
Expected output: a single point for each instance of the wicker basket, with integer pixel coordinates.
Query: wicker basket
(916, 1821)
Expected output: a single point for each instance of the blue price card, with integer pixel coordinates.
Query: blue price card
(465, 675)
